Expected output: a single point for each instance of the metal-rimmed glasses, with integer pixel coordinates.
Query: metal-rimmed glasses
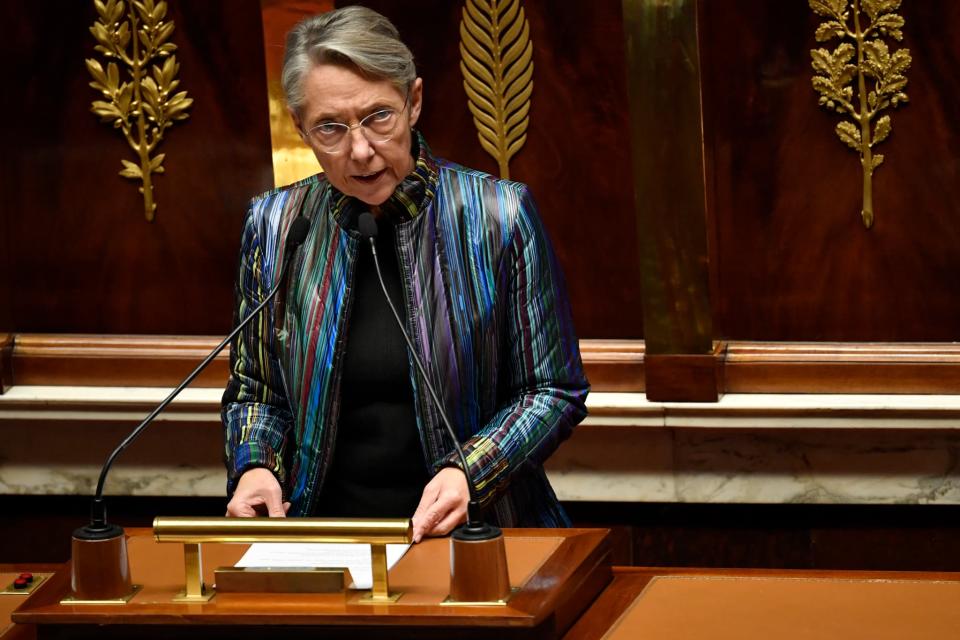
(379, 126)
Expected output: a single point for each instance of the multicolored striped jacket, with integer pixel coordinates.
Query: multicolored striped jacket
(487, 314)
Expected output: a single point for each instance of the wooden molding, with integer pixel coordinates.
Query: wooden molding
(833, 367)
(162, 361)
(684, 377)
(611, 365)
(6, 364)
(614, 365)
(115, 360)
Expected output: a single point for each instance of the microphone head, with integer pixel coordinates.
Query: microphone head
(367, 225)
(298, 232)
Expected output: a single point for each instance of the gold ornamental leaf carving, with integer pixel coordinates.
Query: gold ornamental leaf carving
(144, 105)
(861, 78)
(496, 59)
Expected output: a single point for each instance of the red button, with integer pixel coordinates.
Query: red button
(19, 583)
(27, 576)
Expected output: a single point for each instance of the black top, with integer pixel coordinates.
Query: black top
(377, 468)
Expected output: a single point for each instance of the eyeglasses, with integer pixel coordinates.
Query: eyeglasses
(379, 126)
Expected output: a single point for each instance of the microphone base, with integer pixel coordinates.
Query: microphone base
(100, 567)
(478, 566)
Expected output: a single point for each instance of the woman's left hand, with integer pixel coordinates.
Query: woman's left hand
(443, 505)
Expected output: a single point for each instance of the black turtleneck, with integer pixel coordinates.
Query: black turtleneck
(377, 467)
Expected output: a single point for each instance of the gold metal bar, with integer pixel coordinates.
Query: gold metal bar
(197, 530)
(194, 590)
(193, 569)
(378, 563)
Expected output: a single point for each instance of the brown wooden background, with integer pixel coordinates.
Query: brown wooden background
(576, 159)
(789, 260)
(81, 258)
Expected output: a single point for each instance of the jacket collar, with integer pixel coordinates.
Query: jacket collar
(411, 197)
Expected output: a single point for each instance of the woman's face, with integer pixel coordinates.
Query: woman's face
(368, 171)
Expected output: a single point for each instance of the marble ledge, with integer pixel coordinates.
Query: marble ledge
(738, 411)
(823, 449)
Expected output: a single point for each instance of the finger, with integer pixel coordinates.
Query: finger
(433, 517)
(427, 500)
(419, 527)
(448, 512)
(286, 508)
(448, 524)
(274, 507)
(240, 509)
(424, 522)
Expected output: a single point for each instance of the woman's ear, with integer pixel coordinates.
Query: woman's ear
(416, 100)
(296, 121)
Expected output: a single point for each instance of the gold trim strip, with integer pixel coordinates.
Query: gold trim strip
(448, 602)
(134, 590)
(248, 530)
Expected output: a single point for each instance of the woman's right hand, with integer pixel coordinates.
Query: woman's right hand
(258, 494)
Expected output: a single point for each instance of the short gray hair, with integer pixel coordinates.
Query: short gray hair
(352, 36)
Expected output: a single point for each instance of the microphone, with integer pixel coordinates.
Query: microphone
(478, 556)
(475, 528)
(98, 529)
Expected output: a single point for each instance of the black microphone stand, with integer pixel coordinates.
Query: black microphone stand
(100, 570)
(479, 567)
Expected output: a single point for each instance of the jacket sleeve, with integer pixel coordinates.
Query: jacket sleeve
(545, 390)
(255, 413)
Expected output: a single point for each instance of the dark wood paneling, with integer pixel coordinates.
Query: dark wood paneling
(878, 537)
(791, 259)
(86, 261)
(82, 256)
(6, 361)
(576, 158)
(874, 537)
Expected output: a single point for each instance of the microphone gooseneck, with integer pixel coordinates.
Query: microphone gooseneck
(98, 527)
(475, 527)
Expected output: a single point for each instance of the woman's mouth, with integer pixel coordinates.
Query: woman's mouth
(368, 178)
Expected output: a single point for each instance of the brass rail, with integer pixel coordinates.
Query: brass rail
(192, 532)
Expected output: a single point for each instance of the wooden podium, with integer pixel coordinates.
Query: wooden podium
(557, 573)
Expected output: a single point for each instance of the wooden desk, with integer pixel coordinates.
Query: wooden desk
(559, 572)
(696, 604)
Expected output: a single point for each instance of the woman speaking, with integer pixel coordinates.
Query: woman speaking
(325, 413)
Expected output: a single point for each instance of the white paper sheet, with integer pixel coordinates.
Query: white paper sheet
(355, 557)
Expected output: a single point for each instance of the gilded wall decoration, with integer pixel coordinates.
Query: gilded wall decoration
(144, 105)
(861, 78)
(496, 58)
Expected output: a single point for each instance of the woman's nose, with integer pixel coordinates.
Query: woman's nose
(360, 147)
